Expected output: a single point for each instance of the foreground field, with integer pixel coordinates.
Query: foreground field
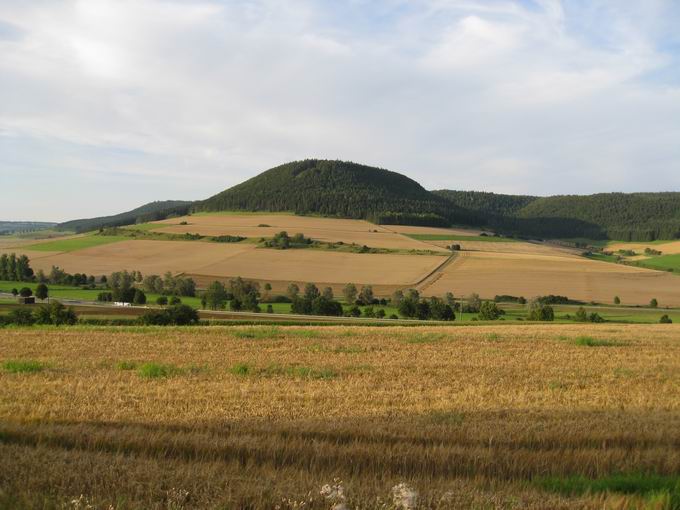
(234, 417)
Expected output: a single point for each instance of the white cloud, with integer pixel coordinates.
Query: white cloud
(536, 97)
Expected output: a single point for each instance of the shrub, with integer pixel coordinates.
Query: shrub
(665, 319)
(25, 292)
(105, 297)
(177, 315)
(41, 291)
(472, 303)
(139, 297)
(174, 300)
(394, 316)
(270, 309)
(162, 300)
(21, 317)
(654, 303)
(581, 315)
(380, 314)
(489, 311)
(57, 314)
(540, 312)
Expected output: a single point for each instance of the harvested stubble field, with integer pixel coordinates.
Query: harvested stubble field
(524, 274)
(255, 417)
(208, 261)
(665, 247)
(321, 229)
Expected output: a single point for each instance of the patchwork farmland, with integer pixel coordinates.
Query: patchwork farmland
(485, 265)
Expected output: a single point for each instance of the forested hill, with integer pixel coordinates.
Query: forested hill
(149, 212)
(487, 203)
(619, 216)
(339, 188)
(350, 190)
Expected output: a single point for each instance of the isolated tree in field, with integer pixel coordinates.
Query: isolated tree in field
(617, 300)
(41, 291)
(539, 311)
(293, 291)
(350, 293)
(366, 295)
(665, 319)
(328, 293)
(25, 292)
(581, 315)
(215, 296)
(489, 311)
(654, 303)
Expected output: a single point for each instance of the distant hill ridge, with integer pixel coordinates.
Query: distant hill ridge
(152, 211)
(351, 190)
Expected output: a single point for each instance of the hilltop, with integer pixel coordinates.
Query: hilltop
(339, 188)
(350, 190)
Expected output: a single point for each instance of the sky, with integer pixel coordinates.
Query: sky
(108, 104)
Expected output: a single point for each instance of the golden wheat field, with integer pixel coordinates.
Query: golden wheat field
(666, 248)
(534, 274)
(266, 225)
(264, 416)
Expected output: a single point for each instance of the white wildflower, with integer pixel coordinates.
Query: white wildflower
(335, 494)
(404, 497)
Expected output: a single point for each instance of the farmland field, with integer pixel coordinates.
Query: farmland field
(75, 243)
(523, 274)
(321, 229)
(232, 417)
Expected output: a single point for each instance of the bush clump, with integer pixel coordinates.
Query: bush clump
(177, 315)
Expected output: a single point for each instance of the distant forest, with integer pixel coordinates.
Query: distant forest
(618, 216)
(350, 190)
(152, 211)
